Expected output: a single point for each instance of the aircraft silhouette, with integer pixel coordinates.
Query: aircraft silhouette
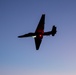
(39, 32)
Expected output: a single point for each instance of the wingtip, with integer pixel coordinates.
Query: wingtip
(37, 48)
(43, 14)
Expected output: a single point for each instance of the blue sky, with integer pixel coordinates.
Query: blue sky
(56, 56)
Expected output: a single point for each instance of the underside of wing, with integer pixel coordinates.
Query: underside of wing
(40, 26)
(37, 43)
(39, 31)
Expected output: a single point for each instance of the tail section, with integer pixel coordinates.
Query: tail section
(53, 32)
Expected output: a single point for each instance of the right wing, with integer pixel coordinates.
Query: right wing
(37, 43)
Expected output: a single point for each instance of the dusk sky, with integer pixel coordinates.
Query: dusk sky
(56, 55)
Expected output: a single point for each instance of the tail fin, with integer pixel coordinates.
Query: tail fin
(53, 30)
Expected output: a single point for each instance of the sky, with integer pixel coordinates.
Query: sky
(56, 56)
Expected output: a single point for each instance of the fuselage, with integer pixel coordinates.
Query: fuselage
(39, 33)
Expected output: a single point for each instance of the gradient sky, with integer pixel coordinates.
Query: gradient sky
(56, 56)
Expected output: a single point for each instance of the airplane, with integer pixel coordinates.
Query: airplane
(39, 32)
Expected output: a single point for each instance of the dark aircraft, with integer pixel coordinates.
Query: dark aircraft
(39, 32)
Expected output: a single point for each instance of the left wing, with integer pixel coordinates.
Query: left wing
(41, 24)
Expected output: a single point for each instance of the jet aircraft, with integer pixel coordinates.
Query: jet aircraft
(39, 32)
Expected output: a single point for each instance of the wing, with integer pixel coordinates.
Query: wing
(40, 28)
(41, 24)
(37, 43)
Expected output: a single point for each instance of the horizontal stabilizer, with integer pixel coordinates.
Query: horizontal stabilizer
(53, 32)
